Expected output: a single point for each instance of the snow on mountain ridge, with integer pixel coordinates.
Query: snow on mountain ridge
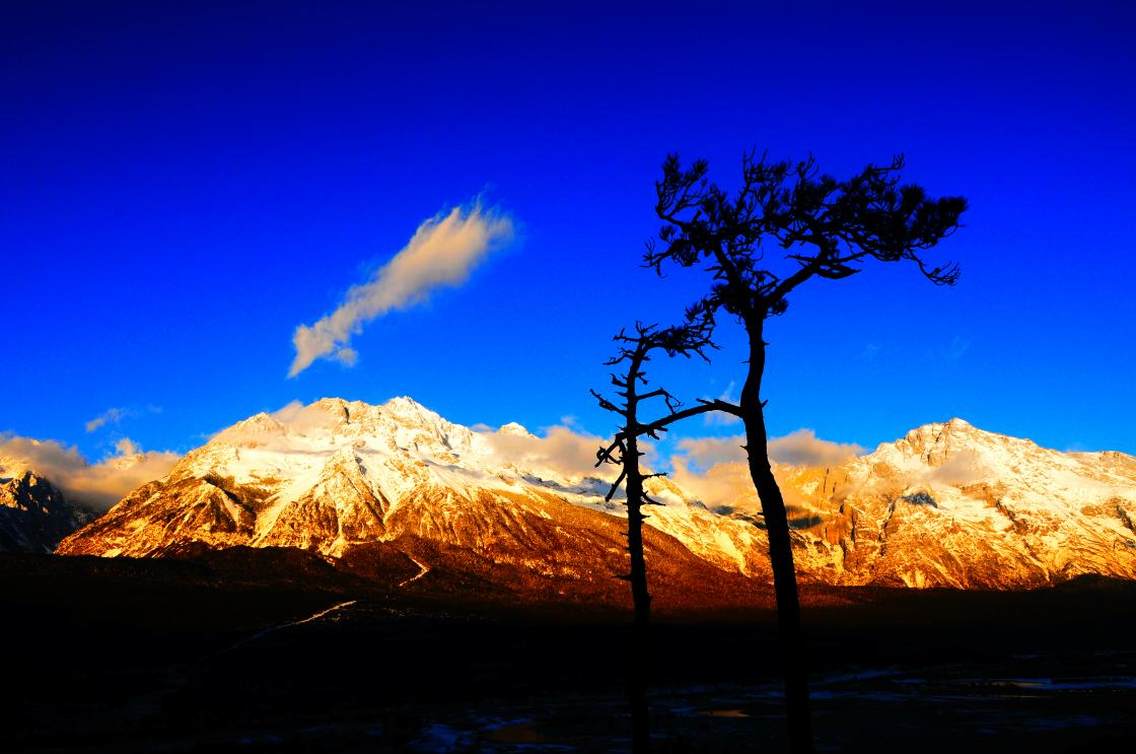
(322, 428)
(948, 504)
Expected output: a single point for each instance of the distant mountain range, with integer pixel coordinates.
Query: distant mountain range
(948, 505)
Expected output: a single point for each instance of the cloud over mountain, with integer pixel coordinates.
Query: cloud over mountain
(442, 252)
(98, 485)
(715, 468)
(562, 450)
(798, 448)
(803, 448)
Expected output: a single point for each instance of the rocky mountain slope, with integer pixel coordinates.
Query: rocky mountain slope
(952, 505)
(948, 505)
(34, 514)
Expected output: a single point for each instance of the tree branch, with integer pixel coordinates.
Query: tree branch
(659, 425)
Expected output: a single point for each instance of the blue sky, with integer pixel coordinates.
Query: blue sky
(183, 188)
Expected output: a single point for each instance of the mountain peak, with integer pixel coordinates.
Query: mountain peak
(403, 403)
(334, 406)
(406, 408)
(954, 424)
(946, 438)
(514, 428)
(34, 514)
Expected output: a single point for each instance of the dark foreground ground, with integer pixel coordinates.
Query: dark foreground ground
(220, 655)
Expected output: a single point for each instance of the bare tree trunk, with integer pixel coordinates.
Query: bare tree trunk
(688, 339)
(639, 594)
(639, 648)
(641, 598)
(793, 650)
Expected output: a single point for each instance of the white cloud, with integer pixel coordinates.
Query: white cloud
(110, 416)
(715, 469)
(804, 448)
(346, 356)
(705, 452)
(442, 252)
(562, 450)
(127, 447)
(799, 448)
(98, 485)
(964, 468)
(712, 469)
(725, 483)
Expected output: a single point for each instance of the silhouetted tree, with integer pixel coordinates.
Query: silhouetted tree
(826, 229)
(634, 351)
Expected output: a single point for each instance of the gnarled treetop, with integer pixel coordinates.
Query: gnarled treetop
(825, 227)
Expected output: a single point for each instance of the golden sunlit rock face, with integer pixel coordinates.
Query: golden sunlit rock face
(951, 505)
(947, 505)
(34, 514)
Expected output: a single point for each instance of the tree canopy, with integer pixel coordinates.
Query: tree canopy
(826, 228)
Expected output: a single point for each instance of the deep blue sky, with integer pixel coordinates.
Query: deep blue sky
(183, 186)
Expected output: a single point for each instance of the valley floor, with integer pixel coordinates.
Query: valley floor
(185, 656)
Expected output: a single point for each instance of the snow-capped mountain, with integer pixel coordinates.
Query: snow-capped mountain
(34, 514)
(948, 505)
(952, 505)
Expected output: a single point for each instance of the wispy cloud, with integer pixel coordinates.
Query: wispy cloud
(952, 351)
(442, 252)
(114, 415)
(110, 416)
(98, 485)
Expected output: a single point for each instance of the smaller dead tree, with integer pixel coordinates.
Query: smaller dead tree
(633, 352)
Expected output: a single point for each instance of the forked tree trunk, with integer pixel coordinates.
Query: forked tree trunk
(793, 650)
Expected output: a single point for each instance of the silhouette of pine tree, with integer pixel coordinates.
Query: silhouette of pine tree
(826, 228)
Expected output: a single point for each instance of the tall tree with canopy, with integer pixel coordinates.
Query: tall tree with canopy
(825, 228)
